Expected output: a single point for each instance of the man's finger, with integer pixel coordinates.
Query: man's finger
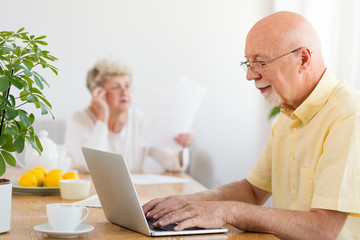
(163, 208)
(190, 222)
(173, 217)
(150, 205)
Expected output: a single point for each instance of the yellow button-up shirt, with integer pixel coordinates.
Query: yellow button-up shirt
(312, 158)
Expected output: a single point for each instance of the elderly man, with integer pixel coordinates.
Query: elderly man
(310, 164)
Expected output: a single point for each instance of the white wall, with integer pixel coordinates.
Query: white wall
(162, 41)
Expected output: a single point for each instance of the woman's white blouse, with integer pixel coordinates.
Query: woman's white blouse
(83, 130)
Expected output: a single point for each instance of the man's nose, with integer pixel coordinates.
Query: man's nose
(251, 74)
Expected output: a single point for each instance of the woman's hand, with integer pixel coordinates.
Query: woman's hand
(99, 106)
(185, 139)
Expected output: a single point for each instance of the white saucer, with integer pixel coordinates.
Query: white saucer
(46, 228)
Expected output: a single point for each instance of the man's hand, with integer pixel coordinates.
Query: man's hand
(188, 213)
(99, 106)
(185, 139)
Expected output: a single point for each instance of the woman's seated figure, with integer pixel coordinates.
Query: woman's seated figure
(110, 124)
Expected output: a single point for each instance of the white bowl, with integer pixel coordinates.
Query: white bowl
(74, 189)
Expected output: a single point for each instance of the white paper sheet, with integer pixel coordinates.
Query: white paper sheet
(146, 179)
(175, 116)
(94, 201)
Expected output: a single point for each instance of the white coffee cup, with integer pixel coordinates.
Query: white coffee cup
(65, 216)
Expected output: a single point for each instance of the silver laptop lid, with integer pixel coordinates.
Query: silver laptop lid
(115, 189)
(118, 196)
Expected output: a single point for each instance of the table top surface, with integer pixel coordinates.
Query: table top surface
(27, 211)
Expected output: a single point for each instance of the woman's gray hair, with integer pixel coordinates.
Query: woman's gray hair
(103, 70)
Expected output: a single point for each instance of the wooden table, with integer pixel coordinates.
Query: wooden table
(29, 211)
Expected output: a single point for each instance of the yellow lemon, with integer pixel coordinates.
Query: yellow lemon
(52, 180)
(27, 180)
(56, 171)
(39, 176)
(43, 169)
(71, 175)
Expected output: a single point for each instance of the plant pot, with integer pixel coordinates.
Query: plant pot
(5, 205)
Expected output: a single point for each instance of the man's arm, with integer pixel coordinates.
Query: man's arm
(237, 206)
(237, 191)
(286, 224)
(242, 191)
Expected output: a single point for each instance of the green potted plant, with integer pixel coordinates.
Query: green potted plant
(20, 84)
(274, 112)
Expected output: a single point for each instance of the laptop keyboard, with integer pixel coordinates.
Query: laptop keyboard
(169, 227)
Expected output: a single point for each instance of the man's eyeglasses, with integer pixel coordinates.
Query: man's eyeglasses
(258, 65)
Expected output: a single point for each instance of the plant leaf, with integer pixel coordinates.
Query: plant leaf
(6, 101)
(41, 77)
(2, 166)
(45, 101)
(28, 64)
(41, 37)
(17, 67)
(38, 82)
(4, 139)
(33, 144)
(4, 84)
(41, 42)
(19, 144)
(29, 80)
(18, 84)
(35, 90)
(8, 146)
(10, 114)
(44, 64)
(17, 51)
(54, 69)
(10, 131)
(38, 143)
(12, 100)
(274, 112)
(37, 104)
(31, 131)
(20, 126)
(20, 30)
(6, 49)
(24, 36)
(27, 73)
(43, 108)
(23, 95)
(24, 118)
(9, 158)
(31, 98)
(31, 118)
(50, 57)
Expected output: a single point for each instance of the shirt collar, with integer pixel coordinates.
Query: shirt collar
(313, 103)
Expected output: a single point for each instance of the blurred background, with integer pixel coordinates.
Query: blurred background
(164, 40)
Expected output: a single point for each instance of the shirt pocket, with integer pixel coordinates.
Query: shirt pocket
(306, 188)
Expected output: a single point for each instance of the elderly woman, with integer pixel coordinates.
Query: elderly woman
(109, 123)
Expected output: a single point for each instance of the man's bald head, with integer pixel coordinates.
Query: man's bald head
(294, 74)
(284, 31)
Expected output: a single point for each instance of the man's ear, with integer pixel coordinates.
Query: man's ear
(305, 56)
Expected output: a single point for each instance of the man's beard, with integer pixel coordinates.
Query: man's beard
(272, 97)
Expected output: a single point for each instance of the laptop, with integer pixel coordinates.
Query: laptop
(118, 197)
